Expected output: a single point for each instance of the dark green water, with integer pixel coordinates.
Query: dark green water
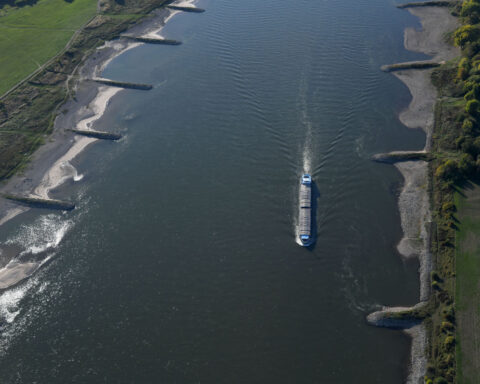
(180, 264)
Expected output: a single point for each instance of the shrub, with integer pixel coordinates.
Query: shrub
(466, 165)
(471, 11)
(463, 69)
(448, 171)
(467, 145)
(472, 80)
(440, 380)
(473, 93)
(446, 207)
(449, 342)
(446, 326)
(449, 314)
(451, 374)
(466, 34)
(460, 142)
(468, 126)
(472, 107)
(471, 48)
(450, 359)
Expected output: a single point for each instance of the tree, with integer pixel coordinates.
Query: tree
(463, 68)
(448, 171)
(472, 107)
(466, 34)
(474, 93)
(467, 127)
(471, 11)
(466, 165)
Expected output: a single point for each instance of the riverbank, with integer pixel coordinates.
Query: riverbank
(414, 200)
(50, 166)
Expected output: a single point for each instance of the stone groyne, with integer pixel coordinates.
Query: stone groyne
(414, 201)
(36, 202)
(98, 134)
(123, 84)
(150, 40)
(186, 9)
(399, 156)
(410, 65)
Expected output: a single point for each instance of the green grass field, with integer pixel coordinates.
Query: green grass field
(31, 35)
(468, 286)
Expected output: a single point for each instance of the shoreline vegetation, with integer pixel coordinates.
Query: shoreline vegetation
(50, 104)
(430, 323)
(48, 119)
(28, 112)
(438, 3)
(415, 201)
(455, 172)
(446, 319)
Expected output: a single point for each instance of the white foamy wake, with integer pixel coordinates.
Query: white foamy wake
(9, 302)
(307, 159)
(307, 149)
(11, 307)
(43, 234)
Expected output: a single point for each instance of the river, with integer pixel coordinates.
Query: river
(180, 263)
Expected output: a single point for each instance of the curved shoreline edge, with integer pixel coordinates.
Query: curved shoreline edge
(414, 200)
(50, 165)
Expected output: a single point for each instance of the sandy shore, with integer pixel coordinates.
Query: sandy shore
(414, 204)
(47, 168)
(51, 165)
(436, 21)
(62, 170)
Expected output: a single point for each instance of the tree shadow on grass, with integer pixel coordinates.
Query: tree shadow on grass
(22, 3)
(17, 3)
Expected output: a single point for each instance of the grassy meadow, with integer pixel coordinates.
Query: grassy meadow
(468, 285)
(31, 35)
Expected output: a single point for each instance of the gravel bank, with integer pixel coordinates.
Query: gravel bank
(415, 218)
(414, 202)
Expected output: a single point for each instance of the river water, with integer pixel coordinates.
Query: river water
(180, 264)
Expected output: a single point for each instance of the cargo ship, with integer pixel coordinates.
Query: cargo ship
(305, 211)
